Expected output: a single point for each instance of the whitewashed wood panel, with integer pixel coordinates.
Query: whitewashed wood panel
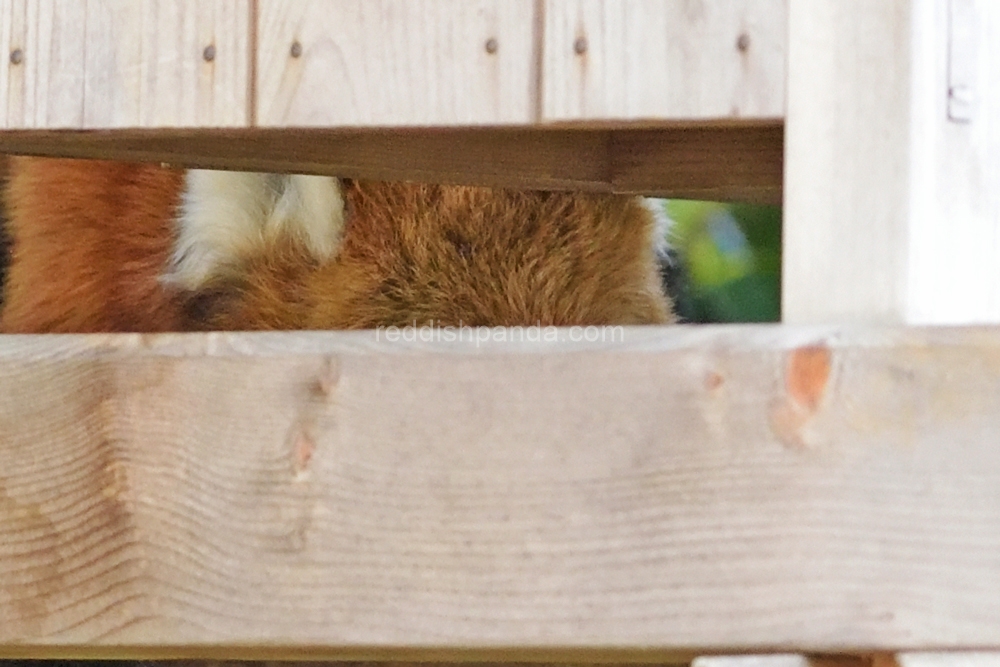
(953, 255)
(396, 62)
(681, 487)
(125, 63)
(663, 59)
(892, 210)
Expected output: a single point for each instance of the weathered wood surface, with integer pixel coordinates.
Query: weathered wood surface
(948, 659)
(123, 63)
(380, 66)
(636, 59)
(720, 162)
(336, 63)
(781, 660)
(892, 208)
(396, 62)
(690, 488)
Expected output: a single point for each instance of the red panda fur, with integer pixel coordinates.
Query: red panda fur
(93, 240)
(88, 242)
(450, 255)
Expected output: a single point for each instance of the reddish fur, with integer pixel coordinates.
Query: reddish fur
(92, 238)
(89, 240)
(450, 255)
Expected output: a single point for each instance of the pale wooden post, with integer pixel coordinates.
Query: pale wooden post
(892, 162)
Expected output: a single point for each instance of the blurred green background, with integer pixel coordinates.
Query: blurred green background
(727, 261)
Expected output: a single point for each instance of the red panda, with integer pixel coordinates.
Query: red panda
(100, 246)
(87, 243)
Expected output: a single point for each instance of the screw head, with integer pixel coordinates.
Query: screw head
(16, 57)
(492, 45)
(296, 50)
(209, 53)
(580, 46)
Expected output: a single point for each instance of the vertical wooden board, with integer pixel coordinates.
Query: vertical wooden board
(45, 87)
(146, 63)
(892, 209)
(395, 62)
(663, 59)
(847, 133)
(11, 81)
(122, 63)
(954, 249)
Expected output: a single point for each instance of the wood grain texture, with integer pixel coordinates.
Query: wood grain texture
(954, 249)
(948, 659)
(846, 164)
(780, 660)
(124, 63)
(664, 59)
(892, 212)
(724, 162)
(685, 489)
(396, 62)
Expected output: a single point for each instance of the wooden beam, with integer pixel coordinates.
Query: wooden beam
(739, 162)
(892, 210)
(683, 490)
(643, 59)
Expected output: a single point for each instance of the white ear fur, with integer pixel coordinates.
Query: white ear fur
(227, 215)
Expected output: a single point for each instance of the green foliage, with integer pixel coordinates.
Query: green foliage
(730, 255)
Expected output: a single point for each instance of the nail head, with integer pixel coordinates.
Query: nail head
(209, 53)
(16, 56)
(296, 50)
(743, 42)
(580, 45)
(492, 45)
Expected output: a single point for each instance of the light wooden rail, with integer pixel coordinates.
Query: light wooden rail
(686, 490)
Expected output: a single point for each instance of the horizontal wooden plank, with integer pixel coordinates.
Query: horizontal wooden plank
(679, 490)
(780, 660)
(124, 63)
(638, 59)
(725, 162)
(949, 659)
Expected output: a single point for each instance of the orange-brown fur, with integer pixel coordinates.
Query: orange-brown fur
(89, 240)
(450, 255)
(92, 239)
